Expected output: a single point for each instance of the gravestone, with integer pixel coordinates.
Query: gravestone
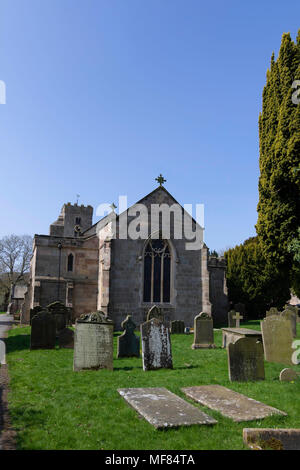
(203, 332)
(237, 317)
(66, 338)
(155, 312)
(231, 404)
(246, 360)
(164, 409)
(277, 339)
(156, 345)
(231, 335)
(288, 375)
(93, 344)
(293, 308)
(34, 311)
(128, 342)
(43, 333)
(231, 321)
(290, 315)
(272, 311)
(187, 330)
(60, 313)
(177, 327)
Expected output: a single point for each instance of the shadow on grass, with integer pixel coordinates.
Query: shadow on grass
(17, 343)
(29, 415)
(128, 368)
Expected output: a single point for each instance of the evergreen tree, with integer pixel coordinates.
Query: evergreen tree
(252, 280)
(279, 183)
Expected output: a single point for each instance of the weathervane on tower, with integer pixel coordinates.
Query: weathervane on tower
(160, 179)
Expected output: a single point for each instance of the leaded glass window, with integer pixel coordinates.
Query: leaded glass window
(157, 271)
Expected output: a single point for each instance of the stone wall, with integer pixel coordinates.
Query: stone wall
(46, 286)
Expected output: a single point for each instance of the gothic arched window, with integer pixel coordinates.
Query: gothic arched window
(157, 271)
(70, 262)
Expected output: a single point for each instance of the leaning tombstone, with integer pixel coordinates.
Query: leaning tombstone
(60, 313)
(177, 327)
(66, 338)
(203, 332)
(246, 360)
(155, 312)
(231, 321)
(277, 339)
(43, 331)
(34, 311)
(128, 342)
(290, 314)
(93, 342)
(156, 345)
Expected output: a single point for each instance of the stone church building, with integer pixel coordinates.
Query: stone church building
(92, 267)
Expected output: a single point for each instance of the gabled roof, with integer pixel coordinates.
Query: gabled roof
(106, 219)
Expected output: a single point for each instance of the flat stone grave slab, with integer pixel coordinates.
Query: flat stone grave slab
(272, 439)
(231, 335)
(163, 409)
(231, 404)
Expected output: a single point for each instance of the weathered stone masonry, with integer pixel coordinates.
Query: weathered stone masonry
(107, 272)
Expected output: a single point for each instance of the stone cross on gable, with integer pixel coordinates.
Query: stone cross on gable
(160, 179)
(237, 317)
(113, 207)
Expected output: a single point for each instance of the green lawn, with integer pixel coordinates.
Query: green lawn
(53, 407)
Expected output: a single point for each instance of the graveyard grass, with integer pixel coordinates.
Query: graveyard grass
(53, 407)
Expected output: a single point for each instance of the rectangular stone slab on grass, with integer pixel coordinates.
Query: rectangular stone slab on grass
(163, 409)
(231, 404)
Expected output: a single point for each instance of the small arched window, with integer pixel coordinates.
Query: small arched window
(157, 271)
(70, 262)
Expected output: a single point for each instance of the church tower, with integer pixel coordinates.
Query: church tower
(72, 221)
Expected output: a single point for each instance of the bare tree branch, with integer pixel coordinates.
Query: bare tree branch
(15, 255)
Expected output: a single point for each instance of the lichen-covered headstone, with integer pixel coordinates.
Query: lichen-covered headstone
(272, 311)
(155, 312)
(203, 332)
(246, 360)
(231, 321)
(177, 327)
(290, 315)
(156, 345)
(43, 332)
(277, 339)
(93, 344)
(128, 342)
(294, 308)
(66, 338)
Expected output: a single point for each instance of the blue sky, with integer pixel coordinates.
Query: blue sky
(104, 95)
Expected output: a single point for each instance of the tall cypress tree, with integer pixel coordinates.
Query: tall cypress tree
(279, 183)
